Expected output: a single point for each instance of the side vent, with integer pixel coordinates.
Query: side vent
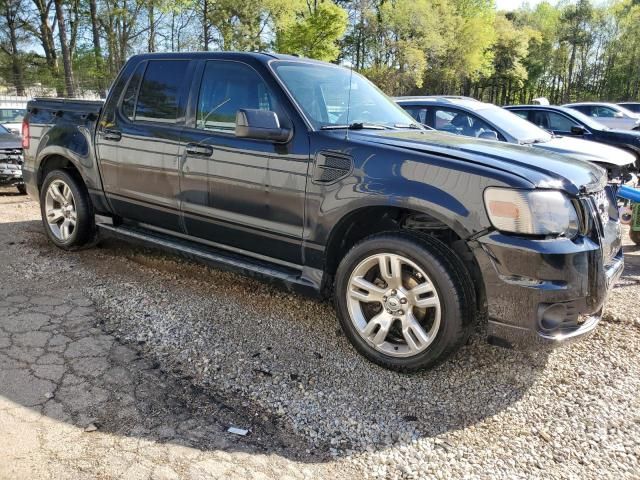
(331, 167)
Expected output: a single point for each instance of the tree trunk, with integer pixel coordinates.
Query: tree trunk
(205, 24)
(66, 54)
(11, 18)
(152, 28)
(97, 50)
(45, 35)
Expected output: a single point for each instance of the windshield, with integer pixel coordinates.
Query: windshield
(12, 115)
(519, 128)
(322, 92)
(587, 120)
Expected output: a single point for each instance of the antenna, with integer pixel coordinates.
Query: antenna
(346, 135)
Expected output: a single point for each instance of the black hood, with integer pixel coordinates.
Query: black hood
(540, 168)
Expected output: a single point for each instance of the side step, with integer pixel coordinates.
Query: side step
(288, 277)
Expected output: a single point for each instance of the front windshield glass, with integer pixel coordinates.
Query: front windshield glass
(12, 115)
(587, 120)
(519, 128)
(322, 92)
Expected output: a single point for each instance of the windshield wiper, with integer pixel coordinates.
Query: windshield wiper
(414, 126)
(532, 141)
(355, 126)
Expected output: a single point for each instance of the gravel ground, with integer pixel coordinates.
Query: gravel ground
(281, 359)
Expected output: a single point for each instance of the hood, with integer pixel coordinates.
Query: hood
(588, 150)
(9, 140)
(13, 127)
(539, 167)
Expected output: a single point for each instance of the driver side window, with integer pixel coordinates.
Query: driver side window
(604, 112)
(560, 123)
(226, 88)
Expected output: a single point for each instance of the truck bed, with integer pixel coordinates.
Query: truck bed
(66, 104)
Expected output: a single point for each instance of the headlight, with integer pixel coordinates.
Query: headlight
(531, 212)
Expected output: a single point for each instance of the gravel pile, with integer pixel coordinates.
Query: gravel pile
(487, 412)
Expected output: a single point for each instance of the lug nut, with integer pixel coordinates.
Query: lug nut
(403, 300)
(393, 292)
(401, 312)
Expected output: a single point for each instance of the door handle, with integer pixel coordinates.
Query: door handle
(109, 134)
(201, 150)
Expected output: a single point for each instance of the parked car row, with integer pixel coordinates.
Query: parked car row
(11, 157)
(305, 173)
(468, 117)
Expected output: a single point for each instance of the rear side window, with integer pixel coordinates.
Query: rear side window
(159, 93)
(560, 123)
(226, 88)
(130, 94)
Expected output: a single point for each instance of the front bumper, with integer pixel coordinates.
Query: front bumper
(543, 291)
(11, 173)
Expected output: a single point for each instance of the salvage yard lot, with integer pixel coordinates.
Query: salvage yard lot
(122, 362)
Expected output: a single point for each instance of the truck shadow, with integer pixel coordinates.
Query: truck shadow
(148, 346)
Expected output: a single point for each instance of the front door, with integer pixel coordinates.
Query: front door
(242, 194)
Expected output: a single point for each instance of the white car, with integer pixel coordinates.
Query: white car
(609, 114)
(11, 115)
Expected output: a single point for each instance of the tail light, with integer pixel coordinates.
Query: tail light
(25, 134)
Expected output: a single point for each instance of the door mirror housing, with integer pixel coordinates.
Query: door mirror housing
(260, 125)
(577, 130)
(618, 115)
(488, 135)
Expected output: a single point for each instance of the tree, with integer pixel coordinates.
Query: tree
(314, 32)
(66, 52)
(11, 25)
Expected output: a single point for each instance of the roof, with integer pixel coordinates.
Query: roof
(459, 101)
(577, 104)
(262, 57)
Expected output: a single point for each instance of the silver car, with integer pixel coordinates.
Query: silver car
(609, 114)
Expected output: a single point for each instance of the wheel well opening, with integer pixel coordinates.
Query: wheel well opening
(371, 220)
(56, 162)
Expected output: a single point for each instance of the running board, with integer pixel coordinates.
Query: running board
(288, 277)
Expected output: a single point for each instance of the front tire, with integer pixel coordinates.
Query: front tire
(405, 302)
(22, 189)
(67, 212)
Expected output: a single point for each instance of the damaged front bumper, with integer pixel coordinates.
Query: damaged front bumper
(544, 291)
(11, 170)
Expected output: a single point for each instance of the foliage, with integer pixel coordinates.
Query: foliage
(562, 49)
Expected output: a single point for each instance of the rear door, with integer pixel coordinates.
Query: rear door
(140, 147)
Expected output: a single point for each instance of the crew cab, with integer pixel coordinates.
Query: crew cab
(305, 173)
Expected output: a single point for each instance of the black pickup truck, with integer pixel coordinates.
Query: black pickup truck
(305, 173)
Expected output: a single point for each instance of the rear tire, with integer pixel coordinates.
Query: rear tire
(67, 212)
(404, 301)
(22, 189)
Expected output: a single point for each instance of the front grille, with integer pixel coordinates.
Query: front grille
(602, 205)
(11, 155)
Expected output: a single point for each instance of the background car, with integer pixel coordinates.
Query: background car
(608, 114)
(633, 106)
(569, 122)
(484, 120)
(11, 115)
(11, 160)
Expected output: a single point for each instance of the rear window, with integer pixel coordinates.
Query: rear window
(159, 93)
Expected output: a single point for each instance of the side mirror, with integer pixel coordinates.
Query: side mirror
(578, 130)
(488, 135)
(618, 115)
(260, 125)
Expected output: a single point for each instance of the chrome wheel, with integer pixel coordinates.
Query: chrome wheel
(60, 210)
(393, 304)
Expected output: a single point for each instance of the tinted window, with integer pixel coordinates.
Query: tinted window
(634, 107)
(605, 112)
(521, 113)
(560, 123)
(419, 113)
(460, 123)
(130, 94)
(160, 89)
(226, 88)
(12, 115)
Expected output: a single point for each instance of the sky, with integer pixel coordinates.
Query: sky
(513, 4)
